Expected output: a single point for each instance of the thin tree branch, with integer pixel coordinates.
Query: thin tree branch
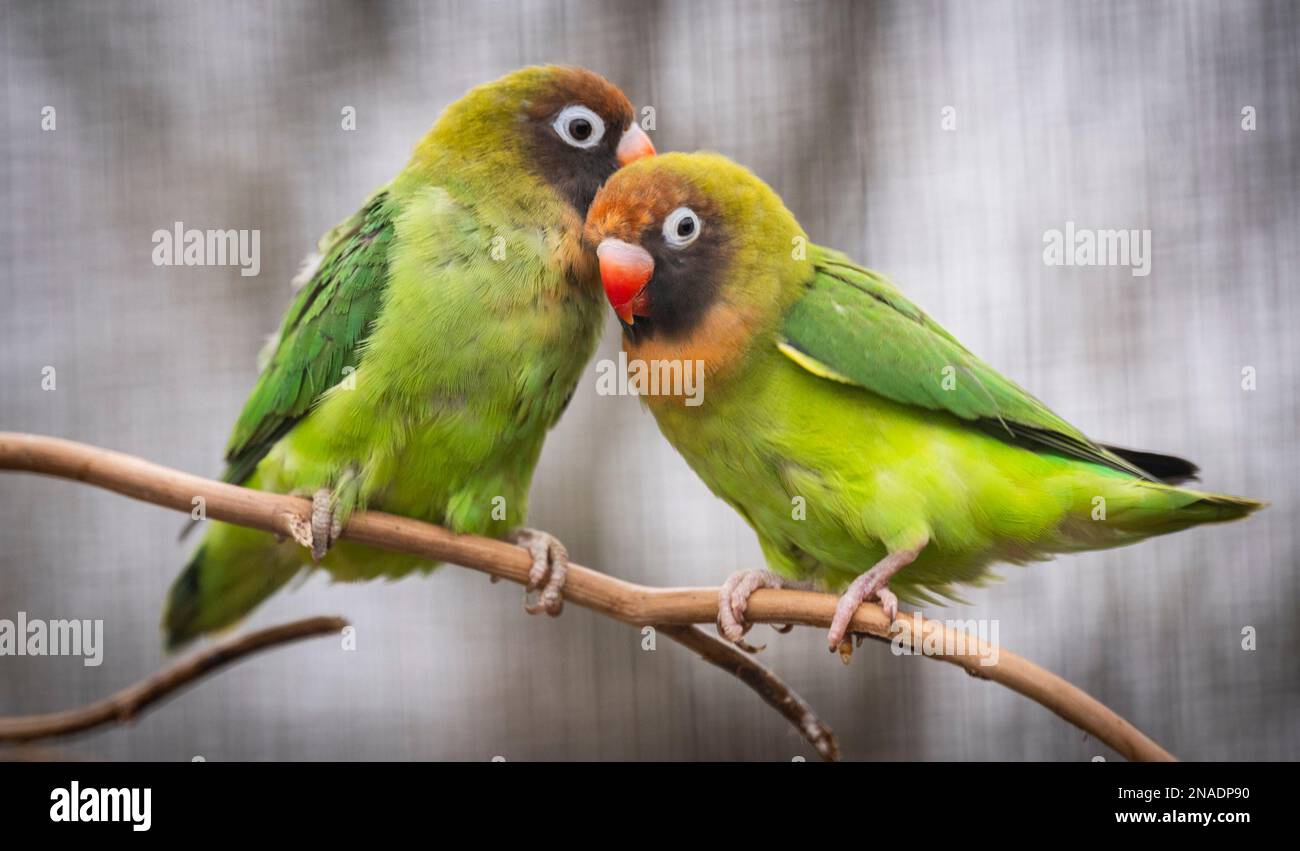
(128, 703)
(768, 685)
(762, 680)
(625, 601)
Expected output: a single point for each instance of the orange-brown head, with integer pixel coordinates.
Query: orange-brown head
(684, 237)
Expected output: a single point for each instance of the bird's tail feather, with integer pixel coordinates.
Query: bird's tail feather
(1121, 511)
(1160, 509)
(232, 571)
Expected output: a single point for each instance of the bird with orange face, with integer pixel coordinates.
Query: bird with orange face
(871, 451)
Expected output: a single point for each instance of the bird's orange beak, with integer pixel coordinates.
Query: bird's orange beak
(634, 145)
(625, 269)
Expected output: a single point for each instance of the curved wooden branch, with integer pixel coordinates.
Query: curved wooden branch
(625, 601)
(126, 704)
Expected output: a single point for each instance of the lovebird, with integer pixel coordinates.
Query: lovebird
(873, 454)
(438, 334)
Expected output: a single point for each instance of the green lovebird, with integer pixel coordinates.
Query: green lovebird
(872, 453)
(439, 334)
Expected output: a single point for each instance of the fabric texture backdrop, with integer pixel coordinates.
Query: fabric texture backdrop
(1108, 115)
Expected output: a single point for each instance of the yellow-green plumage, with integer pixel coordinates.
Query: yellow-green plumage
(419, 369)
(844, 424)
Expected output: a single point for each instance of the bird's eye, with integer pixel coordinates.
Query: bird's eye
(681, 228)
(579, 126)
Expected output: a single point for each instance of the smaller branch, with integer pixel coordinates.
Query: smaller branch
(766, 684)
(128, 703)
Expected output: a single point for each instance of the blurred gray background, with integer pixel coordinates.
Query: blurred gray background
(1110, 115)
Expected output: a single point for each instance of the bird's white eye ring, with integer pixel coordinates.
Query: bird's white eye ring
(579, 126)
(682, 227)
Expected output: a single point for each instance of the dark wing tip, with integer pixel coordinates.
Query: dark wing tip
(1169, 469)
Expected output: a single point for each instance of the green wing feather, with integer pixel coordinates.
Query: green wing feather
(853, 326)
(322, 334)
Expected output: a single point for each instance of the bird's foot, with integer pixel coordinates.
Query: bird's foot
(549, 570)
(733, 599)
(325, 526)
(839, 638)
(874, 584)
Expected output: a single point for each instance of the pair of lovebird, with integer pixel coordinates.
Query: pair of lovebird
(442, 328)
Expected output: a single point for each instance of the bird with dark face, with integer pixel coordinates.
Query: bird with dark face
(438, 335)
(872, 453)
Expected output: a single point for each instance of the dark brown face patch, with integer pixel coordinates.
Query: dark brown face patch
(576, 173)
(686, 281)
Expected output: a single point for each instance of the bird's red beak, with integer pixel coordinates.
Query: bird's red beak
(625, 269)
(634, 145)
